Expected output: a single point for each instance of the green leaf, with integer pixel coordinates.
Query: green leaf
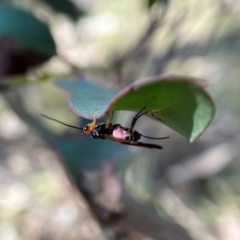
(24, 28)
(178, 102)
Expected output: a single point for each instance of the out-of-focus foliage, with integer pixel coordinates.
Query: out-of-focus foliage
(25, 42)
(26, 31)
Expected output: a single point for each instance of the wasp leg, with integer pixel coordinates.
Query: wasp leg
(94, 122)
(138, 115)
(90, 126)
(109, 121)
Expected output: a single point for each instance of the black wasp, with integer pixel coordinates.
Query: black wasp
(116, 132)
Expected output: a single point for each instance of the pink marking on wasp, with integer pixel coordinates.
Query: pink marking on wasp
(120, 133)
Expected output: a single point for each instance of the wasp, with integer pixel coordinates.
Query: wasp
(116, 132)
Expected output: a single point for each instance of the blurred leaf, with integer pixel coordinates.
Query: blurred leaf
(25, 42)
(179, 102)
(14, 61)
(87, 153)
(17, 80)
(86, 98)
(26, 31)
(152, 2)
(66, 7)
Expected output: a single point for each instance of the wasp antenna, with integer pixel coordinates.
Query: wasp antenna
(154, 137)
(137, 116)
(43, 115)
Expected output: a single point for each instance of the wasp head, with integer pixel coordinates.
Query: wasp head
(87, 129)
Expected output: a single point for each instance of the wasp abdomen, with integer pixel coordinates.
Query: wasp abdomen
(124, 134)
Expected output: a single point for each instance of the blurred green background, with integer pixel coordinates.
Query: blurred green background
(57, 184)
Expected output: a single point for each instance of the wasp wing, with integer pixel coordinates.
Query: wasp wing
(132, 143)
